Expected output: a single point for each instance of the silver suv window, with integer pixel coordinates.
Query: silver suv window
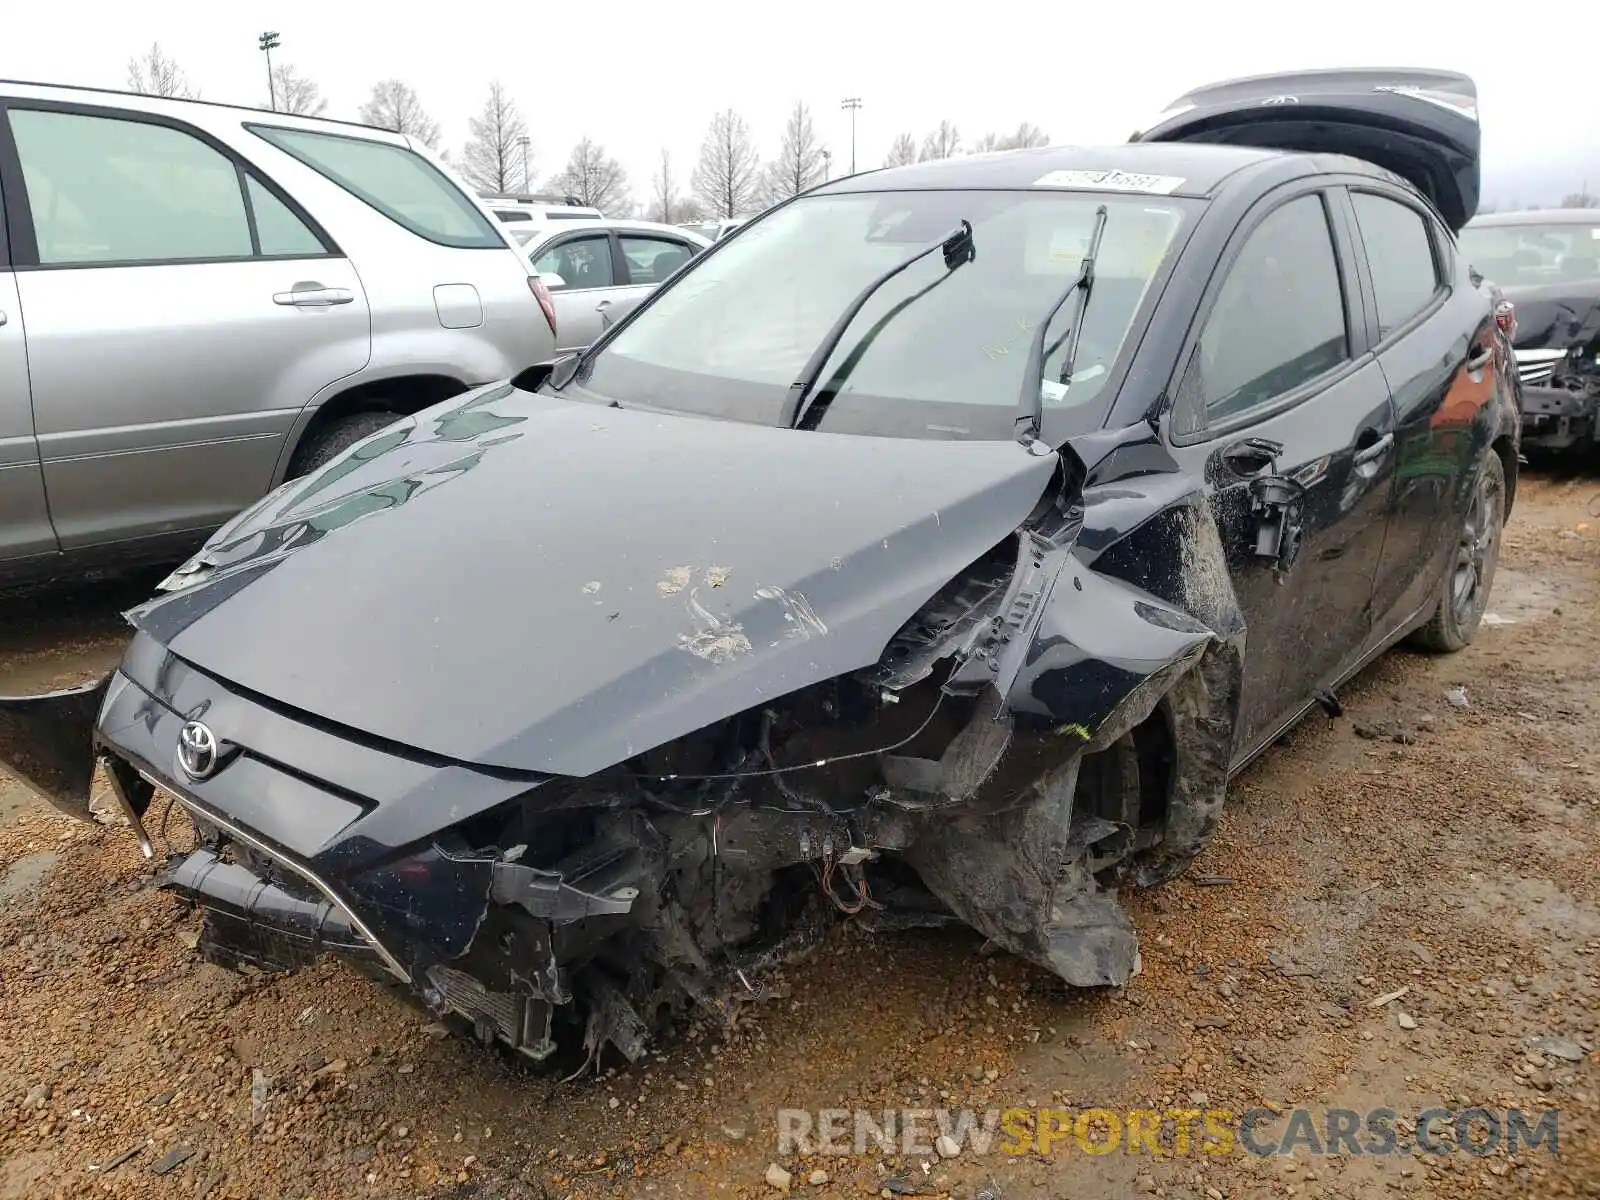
(104, 190)
(399, 183)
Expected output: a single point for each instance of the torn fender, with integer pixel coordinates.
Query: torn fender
(1092, 663)
(46, 741)
(1098, 641)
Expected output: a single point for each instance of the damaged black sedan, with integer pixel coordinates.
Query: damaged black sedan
(932, 550)
(1547, 266)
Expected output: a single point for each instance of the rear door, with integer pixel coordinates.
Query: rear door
(1434, 336)
(1287, 406)
(24, 516)
(585, 280)
(181, 310)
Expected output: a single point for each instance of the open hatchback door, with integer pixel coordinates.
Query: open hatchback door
(1420, 124)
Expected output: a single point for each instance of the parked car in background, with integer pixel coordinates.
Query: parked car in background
(598, 271)
(935, 553)
(198, 302)
(1547, 264)
(527, 214)
(715, 230)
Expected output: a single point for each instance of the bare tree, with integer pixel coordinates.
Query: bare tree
(155, 74)
(728, 175)
(296, 93)
(594, 177)
(903, 151)
(800, 159)
(492, 157)
(1583, 199)
(664, 198)
(943, 142)
(1023, 137)
(394, 105)
(1026, 136)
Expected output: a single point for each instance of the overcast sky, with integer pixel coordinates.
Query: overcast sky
(637, 77)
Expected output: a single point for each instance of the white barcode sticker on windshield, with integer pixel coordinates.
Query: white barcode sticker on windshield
(1111, 181)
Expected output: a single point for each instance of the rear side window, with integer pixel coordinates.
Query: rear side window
(279, 230)
(104, 190)
(651, 259)
(1405, 276)
(398, 182)
(1279, 317)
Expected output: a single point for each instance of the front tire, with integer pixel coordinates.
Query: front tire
(1464, 590)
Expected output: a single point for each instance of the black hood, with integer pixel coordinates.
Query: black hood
(1556, 316)
(593, 582)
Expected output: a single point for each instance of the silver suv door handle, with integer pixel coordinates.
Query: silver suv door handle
(314, 296)
(2, 318)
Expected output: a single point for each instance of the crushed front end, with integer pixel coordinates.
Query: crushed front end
(1560, 397)
(940, 785)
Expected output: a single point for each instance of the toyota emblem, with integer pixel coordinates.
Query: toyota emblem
(197, 750)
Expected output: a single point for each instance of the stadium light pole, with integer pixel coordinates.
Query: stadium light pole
(853, 103)
(268, 43)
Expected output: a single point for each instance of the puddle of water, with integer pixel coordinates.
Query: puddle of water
(26, 874)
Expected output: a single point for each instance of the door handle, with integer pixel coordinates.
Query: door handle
(313, 295)
(1369, 454)
(3, 317)
(1479, 358)
(602, 306)
(1252, 455)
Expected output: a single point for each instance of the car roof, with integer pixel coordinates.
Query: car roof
(1539, 216)
(1201, 169)
(196, 112)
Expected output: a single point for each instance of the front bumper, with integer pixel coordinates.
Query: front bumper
(289, 865)
(1559, 418)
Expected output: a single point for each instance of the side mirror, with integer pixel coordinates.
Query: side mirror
(552, 280)
(563, 369)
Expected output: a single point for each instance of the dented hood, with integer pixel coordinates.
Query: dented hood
(1556, 316)
(539, 584)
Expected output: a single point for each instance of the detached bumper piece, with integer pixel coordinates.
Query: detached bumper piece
(44, 741)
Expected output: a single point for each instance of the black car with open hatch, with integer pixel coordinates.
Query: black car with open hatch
(934, 549)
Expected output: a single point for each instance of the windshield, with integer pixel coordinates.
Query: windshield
(1520, 255)
(731, 335)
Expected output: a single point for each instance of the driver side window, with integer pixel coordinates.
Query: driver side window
(1279, 318)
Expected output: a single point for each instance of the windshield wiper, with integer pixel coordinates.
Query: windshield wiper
(958, 249)
(1032, 402)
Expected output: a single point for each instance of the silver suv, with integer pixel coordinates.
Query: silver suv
(198, 302)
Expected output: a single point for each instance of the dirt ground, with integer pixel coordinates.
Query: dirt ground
(1413, 843)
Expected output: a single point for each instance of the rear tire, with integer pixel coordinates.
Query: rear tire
(1464, 590)
(321, 446)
